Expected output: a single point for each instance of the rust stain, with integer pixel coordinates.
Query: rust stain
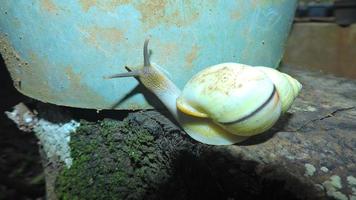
(74, 80)
(155, 12)
(109, 34)
(36, 80)
(113, 4)
(98, 35)
(255, 3)
(261, 3)
(12, 60)
(19, 70)
(192, 55)
(87, 4)
(235, 15)
(170, 49)
(48, 5)
(32, 79)
(166, 51)
(78, 90)
(71, 76)
(103, 5)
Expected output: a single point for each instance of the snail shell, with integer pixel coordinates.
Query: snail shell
(241, 99)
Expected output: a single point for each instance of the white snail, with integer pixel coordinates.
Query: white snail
(222, 104)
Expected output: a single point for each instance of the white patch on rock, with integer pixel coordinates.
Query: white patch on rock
(351, 180)
(338, 195)
(336, 181)
(55, 138)
(324, 169)
(309, 169)
(332, 186)
(311, 108)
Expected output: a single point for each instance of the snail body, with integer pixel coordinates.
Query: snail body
(225, 103)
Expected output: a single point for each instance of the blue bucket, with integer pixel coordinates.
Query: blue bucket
(58, 51)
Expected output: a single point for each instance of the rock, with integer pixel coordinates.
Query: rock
(146, 155)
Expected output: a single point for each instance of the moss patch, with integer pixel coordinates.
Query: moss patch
(112, 160)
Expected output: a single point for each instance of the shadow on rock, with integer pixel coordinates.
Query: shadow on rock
(261, 138)
(214, 174)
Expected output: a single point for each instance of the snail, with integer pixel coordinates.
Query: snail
(224, 103)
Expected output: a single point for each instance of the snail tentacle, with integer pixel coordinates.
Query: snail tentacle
(146, 56)
(130, 73)
(137, 72)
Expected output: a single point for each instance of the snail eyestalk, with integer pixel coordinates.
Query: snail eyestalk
(139, 72)
(146, 56)
(125, 74)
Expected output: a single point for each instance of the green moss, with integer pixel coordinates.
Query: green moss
(111, 160)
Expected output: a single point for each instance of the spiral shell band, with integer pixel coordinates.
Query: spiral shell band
(255, 111)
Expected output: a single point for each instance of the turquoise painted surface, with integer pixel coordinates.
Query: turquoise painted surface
(70, 45)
